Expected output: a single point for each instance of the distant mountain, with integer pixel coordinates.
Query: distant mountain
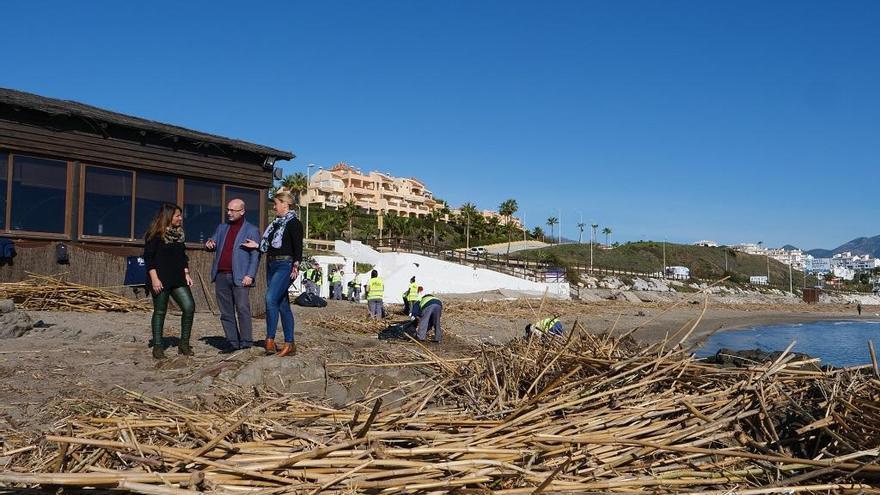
(861, 245)
(789, 247)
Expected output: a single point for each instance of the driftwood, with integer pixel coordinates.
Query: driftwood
(43, 292)
(590, 414)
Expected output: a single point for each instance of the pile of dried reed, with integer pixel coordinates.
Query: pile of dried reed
(588, 414)
(43, 292)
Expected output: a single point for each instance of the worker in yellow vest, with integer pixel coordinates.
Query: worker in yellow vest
(336, 285)
(410, 296)
(354, 288)
(546, 327)
(375, 293)
(319, 279)
(427, 311)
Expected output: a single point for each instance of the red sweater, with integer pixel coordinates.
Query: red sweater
(225, 263)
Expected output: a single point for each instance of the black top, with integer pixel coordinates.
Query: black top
(169, 261)
(291, 241)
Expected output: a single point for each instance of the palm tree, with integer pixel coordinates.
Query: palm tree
(581, 229)
(438, 213)
(435, 216)
(552, 221)
(538, 233)
(392, 223)
(493, 224)
(607, 232)
(320, 225)
(507, 209)
(468, 211)
(350, 209)
(297, 184)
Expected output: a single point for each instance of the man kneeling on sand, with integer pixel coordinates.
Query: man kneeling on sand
(546, 327)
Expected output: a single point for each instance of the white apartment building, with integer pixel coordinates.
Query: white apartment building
(817, 265)
(706, 243)
(374, 192)
(750, 248)
(855, 262)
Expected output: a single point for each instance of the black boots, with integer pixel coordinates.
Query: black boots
(183, 347)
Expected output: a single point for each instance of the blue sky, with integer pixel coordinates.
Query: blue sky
(736, 121)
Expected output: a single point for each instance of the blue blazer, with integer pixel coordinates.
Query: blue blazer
(244, 261)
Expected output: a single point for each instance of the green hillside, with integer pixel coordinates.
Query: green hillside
(704, 262)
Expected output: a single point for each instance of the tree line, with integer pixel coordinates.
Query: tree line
(440, 227)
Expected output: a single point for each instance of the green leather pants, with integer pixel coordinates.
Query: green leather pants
(184, 299)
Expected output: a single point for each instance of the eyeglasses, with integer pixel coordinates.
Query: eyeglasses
(233, 209)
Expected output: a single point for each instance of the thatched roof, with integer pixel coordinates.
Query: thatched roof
(52, 107)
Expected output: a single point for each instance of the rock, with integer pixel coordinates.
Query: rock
(658, 285)
(14, 324)
(649, 296)
(6, 306)
(639, 284)
(627, 296)
(610, 283)
(588, 296)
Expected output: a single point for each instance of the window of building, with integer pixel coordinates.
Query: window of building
(252, 201)
(39, 194)
(107, 202)
(4, 182)
(152, 191)
(202, 209)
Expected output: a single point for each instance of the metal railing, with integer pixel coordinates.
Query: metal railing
(538, 271)
(496, 262)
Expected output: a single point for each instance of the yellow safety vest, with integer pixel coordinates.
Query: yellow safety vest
(546, 324)
(413, 293)
(425, 300)
(337, 278)
(377, 289)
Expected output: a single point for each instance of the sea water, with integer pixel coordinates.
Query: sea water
(838, 343)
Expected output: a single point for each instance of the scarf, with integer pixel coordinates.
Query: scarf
(173, 234)
(275, 231)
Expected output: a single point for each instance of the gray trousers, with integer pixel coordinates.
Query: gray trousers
(234, 300)
(430, 318)
(376, 308)
(311, 288)
(336, 291)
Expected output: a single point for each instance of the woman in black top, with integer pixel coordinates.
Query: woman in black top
(168, 275)
(282, 242)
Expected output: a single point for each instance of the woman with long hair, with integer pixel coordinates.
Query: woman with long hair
(168, 275)
(283, 244)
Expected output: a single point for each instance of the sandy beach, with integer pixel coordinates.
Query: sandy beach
(75, 355)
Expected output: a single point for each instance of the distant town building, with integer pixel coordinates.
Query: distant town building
(855, 262)
(794, 257)
(843, 272)
(758, 280)
(373, 192)
(817, 265)
(750, 248)
(678, 272)
(706, 243)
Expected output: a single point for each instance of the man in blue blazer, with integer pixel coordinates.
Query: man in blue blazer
(233, 273)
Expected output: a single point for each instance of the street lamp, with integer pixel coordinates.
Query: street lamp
(664, 257)
(308, 183)
(559, 241)
(593, 228)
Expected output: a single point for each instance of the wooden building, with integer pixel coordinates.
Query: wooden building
(93, 179)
